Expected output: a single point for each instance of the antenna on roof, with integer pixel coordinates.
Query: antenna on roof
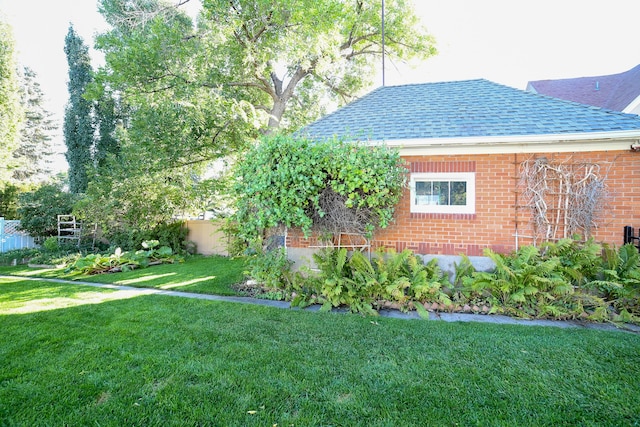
(383, 43)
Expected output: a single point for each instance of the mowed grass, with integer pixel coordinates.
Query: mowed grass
(166, 361)
(199, 274)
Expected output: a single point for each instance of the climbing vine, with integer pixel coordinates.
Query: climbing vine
(324, 187)
(565, 198)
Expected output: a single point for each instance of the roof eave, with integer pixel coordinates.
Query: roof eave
(578, 142)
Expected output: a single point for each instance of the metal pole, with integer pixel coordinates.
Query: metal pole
(383, 41)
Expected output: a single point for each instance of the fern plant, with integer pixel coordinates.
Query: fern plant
(520, 284)
(336, 286)
(428, 282)
(619, 279)
(391, 273)
(579, 261)
(363, 285)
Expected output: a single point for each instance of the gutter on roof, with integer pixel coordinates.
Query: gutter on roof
(577, 142)
(632, 106)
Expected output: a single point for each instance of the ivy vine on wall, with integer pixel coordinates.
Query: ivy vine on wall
(324, 187)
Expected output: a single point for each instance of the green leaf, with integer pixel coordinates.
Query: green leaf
(422, 312)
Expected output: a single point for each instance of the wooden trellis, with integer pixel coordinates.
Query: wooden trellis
(564, 198)
(69, 230)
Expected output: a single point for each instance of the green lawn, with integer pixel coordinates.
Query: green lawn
(156, 360)
(199, 274)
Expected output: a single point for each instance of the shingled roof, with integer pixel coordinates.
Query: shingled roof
(459, 109)
(613, 92)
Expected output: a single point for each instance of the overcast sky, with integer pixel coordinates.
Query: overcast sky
(506, 41)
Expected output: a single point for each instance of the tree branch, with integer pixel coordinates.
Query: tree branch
(351, 41)
(296, 78)
(345, 96)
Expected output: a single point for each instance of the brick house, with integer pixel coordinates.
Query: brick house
(471, 147)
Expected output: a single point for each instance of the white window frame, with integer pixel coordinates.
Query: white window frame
(468, 177)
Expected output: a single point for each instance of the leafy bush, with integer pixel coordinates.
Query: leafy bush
(20, 255)
(51, 244)
(172, 234)
(580, 262)
(524, 284)
(566, 279)
(120, 260)
(336, 285)
(236, 245)
(39, 209)
(9, 201)
(317, 185)
(271, 268)
(619, 280)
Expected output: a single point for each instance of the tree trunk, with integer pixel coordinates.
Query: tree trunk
(277, 111)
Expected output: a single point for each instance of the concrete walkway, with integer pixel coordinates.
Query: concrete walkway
(446, 317)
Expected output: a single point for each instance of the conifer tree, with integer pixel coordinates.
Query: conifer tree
(78, 119)
(33, 154)
(10, 111)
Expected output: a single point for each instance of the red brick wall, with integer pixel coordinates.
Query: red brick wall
(494, 223)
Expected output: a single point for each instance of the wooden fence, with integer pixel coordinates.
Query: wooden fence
(208, 237)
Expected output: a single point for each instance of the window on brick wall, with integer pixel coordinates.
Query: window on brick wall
(443, 192)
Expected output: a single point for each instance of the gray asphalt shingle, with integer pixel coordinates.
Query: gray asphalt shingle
(470, 108)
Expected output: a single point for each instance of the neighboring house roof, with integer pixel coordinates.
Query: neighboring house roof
(474, 109)
(614, 92)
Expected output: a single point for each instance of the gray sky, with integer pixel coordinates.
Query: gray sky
(506, 41)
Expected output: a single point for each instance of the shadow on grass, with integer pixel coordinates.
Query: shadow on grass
(213, 275)
(20, 296)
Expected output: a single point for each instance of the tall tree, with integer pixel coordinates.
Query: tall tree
(78, 119)
(284, 58)
(197, 93)
(179, 120)
(34, 151)
(10, 109)
(289, 56)
(107, 117)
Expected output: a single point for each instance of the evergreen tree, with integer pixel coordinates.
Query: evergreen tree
(10, 111)
(106, 110)
(9, 201)
(78, 119)
(33, 154)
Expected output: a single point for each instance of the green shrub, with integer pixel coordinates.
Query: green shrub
(20, 255)
(580, 262)
(619, 280)
(39, 210)
(567, 279)
(270, 268)
(9, 201)
(300, 183)
(173, 235)
(563, 280)
(51, 244)
(337, 285)
(521, 284)
(236, 245)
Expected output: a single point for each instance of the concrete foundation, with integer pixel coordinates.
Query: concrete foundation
(303, 257)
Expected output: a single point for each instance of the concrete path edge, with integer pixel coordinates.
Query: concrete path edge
(396, 314)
